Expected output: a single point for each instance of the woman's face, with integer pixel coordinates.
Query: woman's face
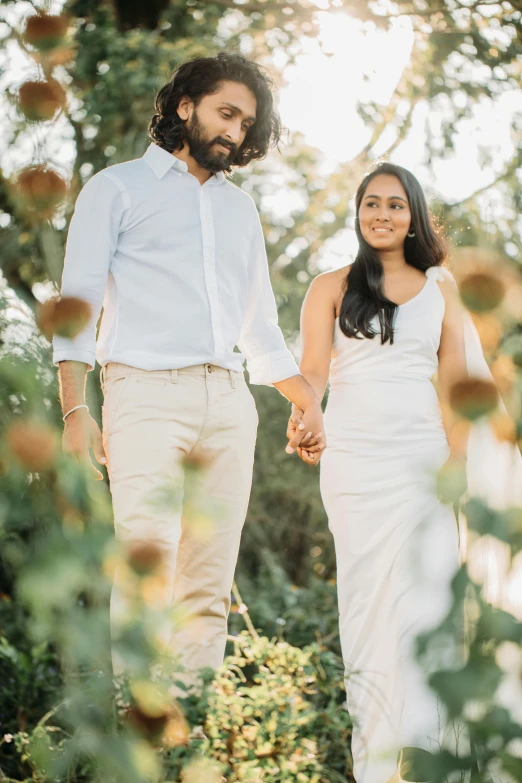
(384, 213)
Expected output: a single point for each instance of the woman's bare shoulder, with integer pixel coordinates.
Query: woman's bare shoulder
(332, 285)
(332, 281)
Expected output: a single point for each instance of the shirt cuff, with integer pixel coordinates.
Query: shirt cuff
(74, 355)
(272, 368)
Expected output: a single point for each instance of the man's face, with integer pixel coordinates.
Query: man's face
(216, 129)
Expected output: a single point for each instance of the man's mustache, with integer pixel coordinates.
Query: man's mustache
(229, 144)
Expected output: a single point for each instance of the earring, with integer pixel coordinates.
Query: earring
(411, 233)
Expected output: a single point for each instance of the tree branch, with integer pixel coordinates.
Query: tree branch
(511, 169)
(444, 9)
(262, 8)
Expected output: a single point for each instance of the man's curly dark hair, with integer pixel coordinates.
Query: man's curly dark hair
(204, 76)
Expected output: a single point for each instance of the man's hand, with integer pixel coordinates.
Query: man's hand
(305, 433)
(79, 435)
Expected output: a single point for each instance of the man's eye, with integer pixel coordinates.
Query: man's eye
(226, 116)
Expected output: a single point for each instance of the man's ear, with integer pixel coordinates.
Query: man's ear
(185, 107)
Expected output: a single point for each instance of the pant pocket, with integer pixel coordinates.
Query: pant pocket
(112, 393)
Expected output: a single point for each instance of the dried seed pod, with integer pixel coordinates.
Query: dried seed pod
(33, 443)
(66, 317)
(44, 31)
(41, 101)
(40, 190)
(473, 397)
(149, 726)
(482, 291)
(144, 557)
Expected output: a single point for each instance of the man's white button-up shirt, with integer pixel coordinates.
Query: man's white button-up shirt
(179, 268)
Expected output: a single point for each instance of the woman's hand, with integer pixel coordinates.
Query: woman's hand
(312, 445)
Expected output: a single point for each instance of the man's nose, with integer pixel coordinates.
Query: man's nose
(234, 132)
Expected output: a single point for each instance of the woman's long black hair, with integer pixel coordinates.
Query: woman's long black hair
(364, 296)
(203, 76)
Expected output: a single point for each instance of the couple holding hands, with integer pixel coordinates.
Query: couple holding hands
(175, 254)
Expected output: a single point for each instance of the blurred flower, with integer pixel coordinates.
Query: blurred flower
(41, 101)
(201, 771)
(451, 481)
(45, 32)
(33, 443)
(156, 588)
(144, 557)
(40, 190)
(482, 291)
(504, 372)
(489, 329)
(504, 427)
(146, 761)
(155, 717)
(472, 398)
(177, 730)
(151, 727)
(66, 317)
(487, 279)
(195, 461)
(150, 697)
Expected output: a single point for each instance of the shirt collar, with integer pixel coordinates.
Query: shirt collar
(161, 161)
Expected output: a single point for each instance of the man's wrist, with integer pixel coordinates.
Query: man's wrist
(75, 410)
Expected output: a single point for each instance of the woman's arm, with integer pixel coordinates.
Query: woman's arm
(452, 367)
(317, 327)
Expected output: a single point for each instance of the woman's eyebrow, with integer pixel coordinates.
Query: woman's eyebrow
(390, 198)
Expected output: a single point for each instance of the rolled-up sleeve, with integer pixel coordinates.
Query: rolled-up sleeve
(91, 243)
(261, 340)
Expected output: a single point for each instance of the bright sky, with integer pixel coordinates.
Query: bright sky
(358, 64)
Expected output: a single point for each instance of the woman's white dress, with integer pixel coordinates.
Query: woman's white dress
(396, 544)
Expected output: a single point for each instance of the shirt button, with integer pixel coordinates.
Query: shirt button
(209, 368)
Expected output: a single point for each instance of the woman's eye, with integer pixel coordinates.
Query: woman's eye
(226, 116)
(398, 206)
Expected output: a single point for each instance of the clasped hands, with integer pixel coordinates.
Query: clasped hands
(305, 433)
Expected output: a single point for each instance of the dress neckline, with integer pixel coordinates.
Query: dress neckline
(416, 295)
(409, 300)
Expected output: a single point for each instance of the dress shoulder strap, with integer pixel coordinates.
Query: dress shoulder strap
(440, 273)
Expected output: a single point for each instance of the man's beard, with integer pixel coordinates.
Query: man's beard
(201, 149)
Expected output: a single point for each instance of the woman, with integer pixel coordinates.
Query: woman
(379, 330)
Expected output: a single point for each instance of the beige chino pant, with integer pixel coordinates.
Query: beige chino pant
(155, 423)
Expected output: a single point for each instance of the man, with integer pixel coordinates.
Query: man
(175, 254)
